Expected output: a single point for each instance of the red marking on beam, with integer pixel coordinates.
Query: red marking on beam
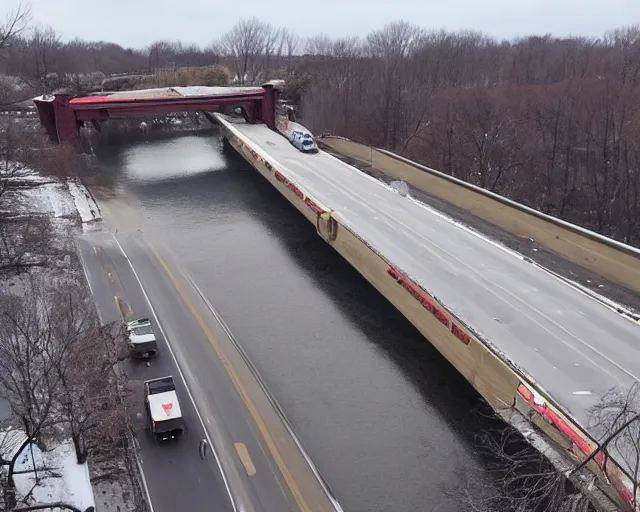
(526, 393)
(311, 204)
(626, 494)
(295, 190)
(555, 419)
(423, 299)
(254, 154)
(283, 179)
(460, 334)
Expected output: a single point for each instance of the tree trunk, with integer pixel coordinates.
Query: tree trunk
(80, 448)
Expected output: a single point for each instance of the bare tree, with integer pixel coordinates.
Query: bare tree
(11, 167)
(390, 49)
(10, 43)
(88, 394)
(617, 418)
(25, 242)
(27, 377)
(15, 22)
(529, 482)
(290, 43)
(243, 44)
(45, 44)
(319, 44)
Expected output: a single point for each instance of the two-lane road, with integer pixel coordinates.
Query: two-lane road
(256, 464)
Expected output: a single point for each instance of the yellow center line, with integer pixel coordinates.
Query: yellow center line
(116, 299)
(109, 269)
(264, 431)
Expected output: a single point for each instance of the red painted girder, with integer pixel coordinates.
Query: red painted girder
(179, 102)
(107, 112)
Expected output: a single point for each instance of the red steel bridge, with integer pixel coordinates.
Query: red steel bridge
(62, 116)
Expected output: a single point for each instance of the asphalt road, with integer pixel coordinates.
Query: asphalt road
(575, 347)
(176, 477)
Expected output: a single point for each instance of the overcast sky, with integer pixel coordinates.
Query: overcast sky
(135, 23)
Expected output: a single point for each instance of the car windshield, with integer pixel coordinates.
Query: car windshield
(142, 330)
(307, 142)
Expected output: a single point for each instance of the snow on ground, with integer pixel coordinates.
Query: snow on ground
(63, 200)
(85, 204)
(61, 478)
(51, 198)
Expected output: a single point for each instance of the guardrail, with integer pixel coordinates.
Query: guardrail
(629, 249)
(616, 261)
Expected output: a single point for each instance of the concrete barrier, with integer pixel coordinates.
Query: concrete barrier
(613, 260)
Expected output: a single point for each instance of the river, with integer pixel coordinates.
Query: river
(387, 420)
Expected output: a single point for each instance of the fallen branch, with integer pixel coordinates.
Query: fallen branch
(57, 504)
(24, 471)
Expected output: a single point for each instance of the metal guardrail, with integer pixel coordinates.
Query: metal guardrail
(633, 251)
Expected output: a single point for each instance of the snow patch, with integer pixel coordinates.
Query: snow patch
(400, 187)
(60, 477)
(197, 90)
(85, 204)
(51, 198)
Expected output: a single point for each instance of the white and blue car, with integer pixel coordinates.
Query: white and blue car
(303, 141)
(301, 138)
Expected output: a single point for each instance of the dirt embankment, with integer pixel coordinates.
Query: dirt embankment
(603, 269)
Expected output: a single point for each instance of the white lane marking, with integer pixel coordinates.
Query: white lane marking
(391, 222)
(582, 393)
(276, 406)
(144, 480)
(86, 277)
(186, 385)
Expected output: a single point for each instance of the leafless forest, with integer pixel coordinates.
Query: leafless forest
(553, 123)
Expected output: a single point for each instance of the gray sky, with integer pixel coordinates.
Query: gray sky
(138, 22)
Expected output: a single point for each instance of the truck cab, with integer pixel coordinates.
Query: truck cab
(142, 339)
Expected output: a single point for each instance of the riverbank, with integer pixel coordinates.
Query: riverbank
(40, 216)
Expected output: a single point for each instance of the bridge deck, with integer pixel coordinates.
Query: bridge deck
(573, 346)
